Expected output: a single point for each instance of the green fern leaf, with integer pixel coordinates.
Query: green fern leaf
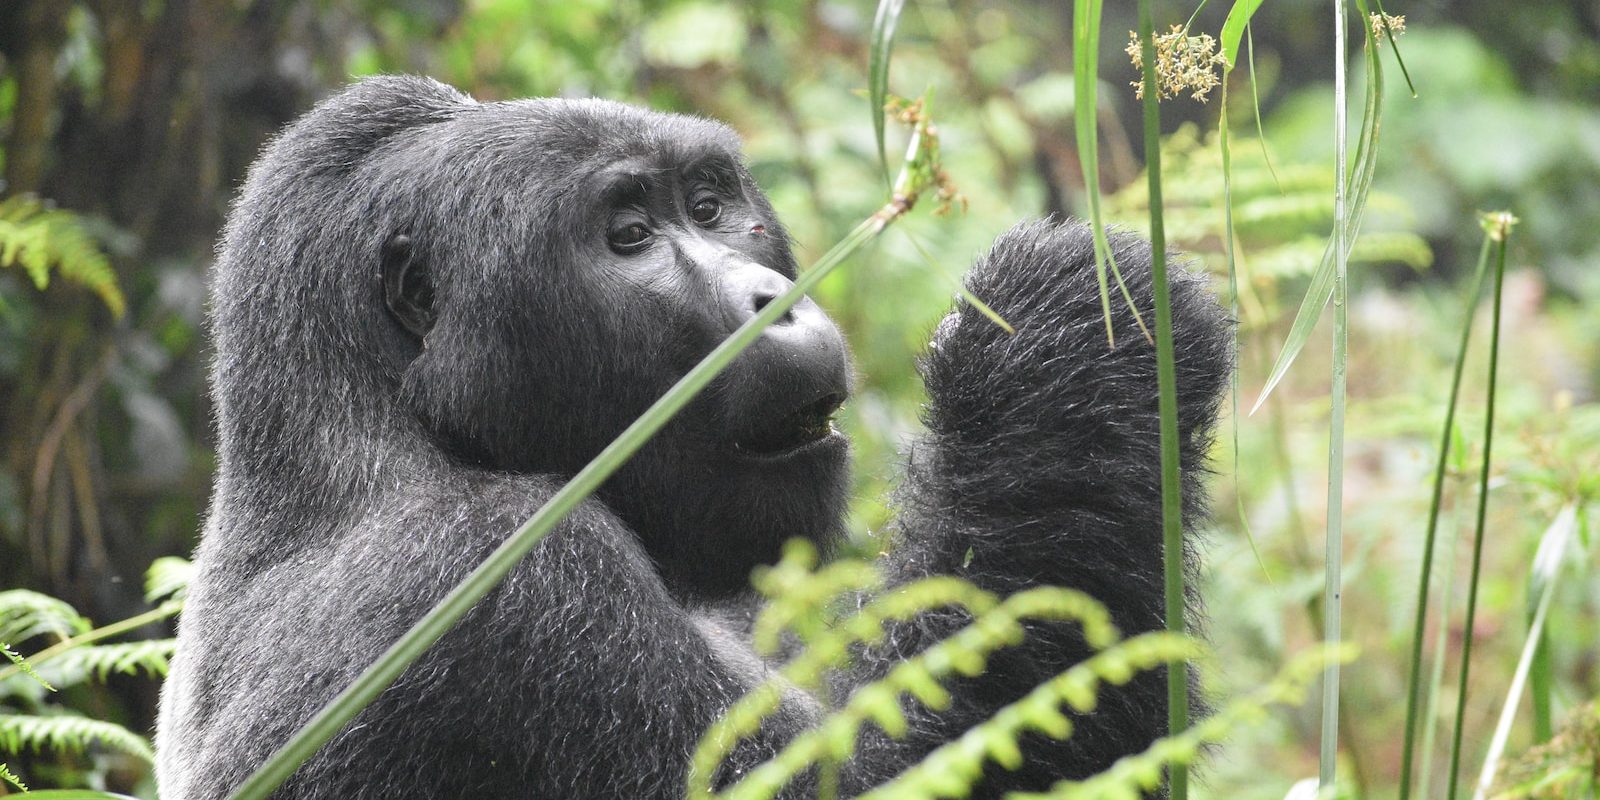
(167, 577)
(39, 239)
(98, 662)
(25, 614)
(69, 733)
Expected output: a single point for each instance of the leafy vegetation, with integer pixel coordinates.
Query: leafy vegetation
(32, 721)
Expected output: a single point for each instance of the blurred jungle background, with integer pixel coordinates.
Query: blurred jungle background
(126, 125)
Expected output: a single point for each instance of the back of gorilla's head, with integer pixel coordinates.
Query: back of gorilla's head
(414, 282)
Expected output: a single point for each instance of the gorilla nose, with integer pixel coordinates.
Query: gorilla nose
(801, 355)
(749, 289)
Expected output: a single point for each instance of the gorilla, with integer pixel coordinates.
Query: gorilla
(428, 312)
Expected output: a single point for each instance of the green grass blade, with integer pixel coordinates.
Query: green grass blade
(1167, 401)
(1430, 534)
(75, 794)
(1320, 290)
(1441, 645)
(879, 49)
(1085, 114)
(961, 288)
(1233, 27)
(1085, 107)
(1542, 582)
(1228, 243)
(1255, 105)
(1483, 510)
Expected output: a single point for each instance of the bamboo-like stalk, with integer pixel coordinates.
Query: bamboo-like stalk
(1167, 403)
(1328, 760)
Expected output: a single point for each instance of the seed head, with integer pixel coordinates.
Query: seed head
(1392, 24)
(1183, 63)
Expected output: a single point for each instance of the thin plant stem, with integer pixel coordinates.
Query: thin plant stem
(1441, 645)
(1483, 511)
(161, 612)
(1333, 558)
(1167, 400)
(1430, 535)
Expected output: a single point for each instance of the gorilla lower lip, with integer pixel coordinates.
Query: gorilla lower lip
(810, 423)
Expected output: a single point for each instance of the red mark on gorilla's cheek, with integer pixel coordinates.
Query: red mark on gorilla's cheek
(759, 230)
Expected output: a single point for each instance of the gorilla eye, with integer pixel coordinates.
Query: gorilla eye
(629, 238)
(706, 211)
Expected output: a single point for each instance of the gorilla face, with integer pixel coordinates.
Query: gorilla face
(614, 269)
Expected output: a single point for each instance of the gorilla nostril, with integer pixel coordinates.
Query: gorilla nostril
(747, 288)
(762, 299)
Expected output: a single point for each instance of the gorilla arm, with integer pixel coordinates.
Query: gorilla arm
(579, 676)
(1041, 467)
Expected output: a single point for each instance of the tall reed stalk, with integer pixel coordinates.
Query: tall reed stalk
(1499, 229)
(1328, 761)
(1167, 403)
(1430, 535)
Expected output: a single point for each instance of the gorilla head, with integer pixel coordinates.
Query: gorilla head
(532, 275)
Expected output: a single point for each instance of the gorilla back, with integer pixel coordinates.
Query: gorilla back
(429, 312)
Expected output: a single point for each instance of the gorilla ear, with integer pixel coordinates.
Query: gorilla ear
(407, 286)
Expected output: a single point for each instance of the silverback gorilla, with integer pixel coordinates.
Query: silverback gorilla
(427, 311)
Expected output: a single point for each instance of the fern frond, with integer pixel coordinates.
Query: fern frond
(24, 667)
(25, 614)
(167, 576)
(69, 733)
(41, 239)
(1136, 775)
(10, 777)
(98, 662)
(829, 649)
(951, 770)
(1300, 258)
(964, 653)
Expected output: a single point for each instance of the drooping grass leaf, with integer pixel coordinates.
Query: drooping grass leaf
(960, 288)
(1085, 116)
(1234, 26)
(878, 51)
(1364, 168)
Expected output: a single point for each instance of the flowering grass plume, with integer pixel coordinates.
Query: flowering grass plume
(1184, 63)
(1392, 24)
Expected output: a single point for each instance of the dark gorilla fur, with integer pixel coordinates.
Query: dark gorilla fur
(365, 470)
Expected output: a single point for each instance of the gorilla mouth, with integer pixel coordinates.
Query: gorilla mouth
(804, 426)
